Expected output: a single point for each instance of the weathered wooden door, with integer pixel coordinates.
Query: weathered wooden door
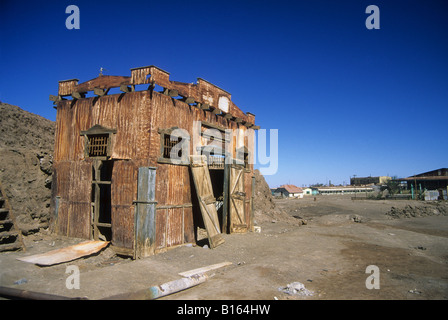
(204, 191)
(237, 194)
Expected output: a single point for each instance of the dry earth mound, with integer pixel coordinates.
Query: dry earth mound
(264, 205)
(419, 211)
(26, 157)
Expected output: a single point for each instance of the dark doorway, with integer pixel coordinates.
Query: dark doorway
(101, 200)
(217, 179)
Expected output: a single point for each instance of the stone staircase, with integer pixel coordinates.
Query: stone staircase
(10, 235)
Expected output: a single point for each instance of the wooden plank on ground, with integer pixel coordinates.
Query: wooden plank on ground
(66, 254)
(190, 273)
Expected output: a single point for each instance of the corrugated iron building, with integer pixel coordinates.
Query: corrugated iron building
(430, 180)
(113, 175)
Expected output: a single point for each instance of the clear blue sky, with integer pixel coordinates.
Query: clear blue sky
(346, 100)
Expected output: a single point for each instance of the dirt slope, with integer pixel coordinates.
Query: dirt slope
(264, 205)
(26, 157)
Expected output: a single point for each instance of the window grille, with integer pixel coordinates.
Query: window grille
(215, 161)
(171, 146)
(98, 144)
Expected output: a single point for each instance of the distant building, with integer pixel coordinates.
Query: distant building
(358, 181)
(307, 191)
(431, 180)
(289, 191)
(344, 190)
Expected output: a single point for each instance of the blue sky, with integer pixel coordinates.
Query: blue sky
(345, 100)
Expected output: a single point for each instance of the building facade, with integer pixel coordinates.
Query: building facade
(145, 167)
(358, 181)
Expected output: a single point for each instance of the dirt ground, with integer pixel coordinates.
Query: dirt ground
(325, 244)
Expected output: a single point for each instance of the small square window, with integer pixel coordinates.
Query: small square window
(98, 142)
(98, 145)
(174, 148)
(171, 147)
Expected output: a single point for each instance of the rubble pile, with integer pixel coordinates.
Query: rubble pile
(418, 211)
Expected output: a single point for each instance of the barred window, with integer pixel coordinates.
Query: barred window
(98, 141)
(98, 145)
(170, 146)
(174, 146)
(216, 161)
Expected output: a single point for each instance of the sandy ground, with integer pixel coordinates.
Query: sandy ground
(328, 255)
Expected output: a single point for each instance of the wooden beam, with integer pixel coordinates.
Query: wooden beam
(198, 271)
(125, 88)
(204, 106)
(55, 98)
(216, 110)
(100, 92)
(189, 100)
(228, 116)
(78, 95)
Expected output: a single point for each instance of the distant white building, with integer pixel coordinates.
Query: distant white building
(289, 191)
(307, 191)
(344, 190)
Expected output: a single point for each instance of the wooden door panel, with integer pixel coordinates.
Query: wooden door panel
(204, 191)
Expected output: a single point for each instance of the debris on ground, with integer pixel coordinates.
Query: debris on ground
(415, 291)
(356, 218)
(296, 288)
(418, 211)
(21, 281)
